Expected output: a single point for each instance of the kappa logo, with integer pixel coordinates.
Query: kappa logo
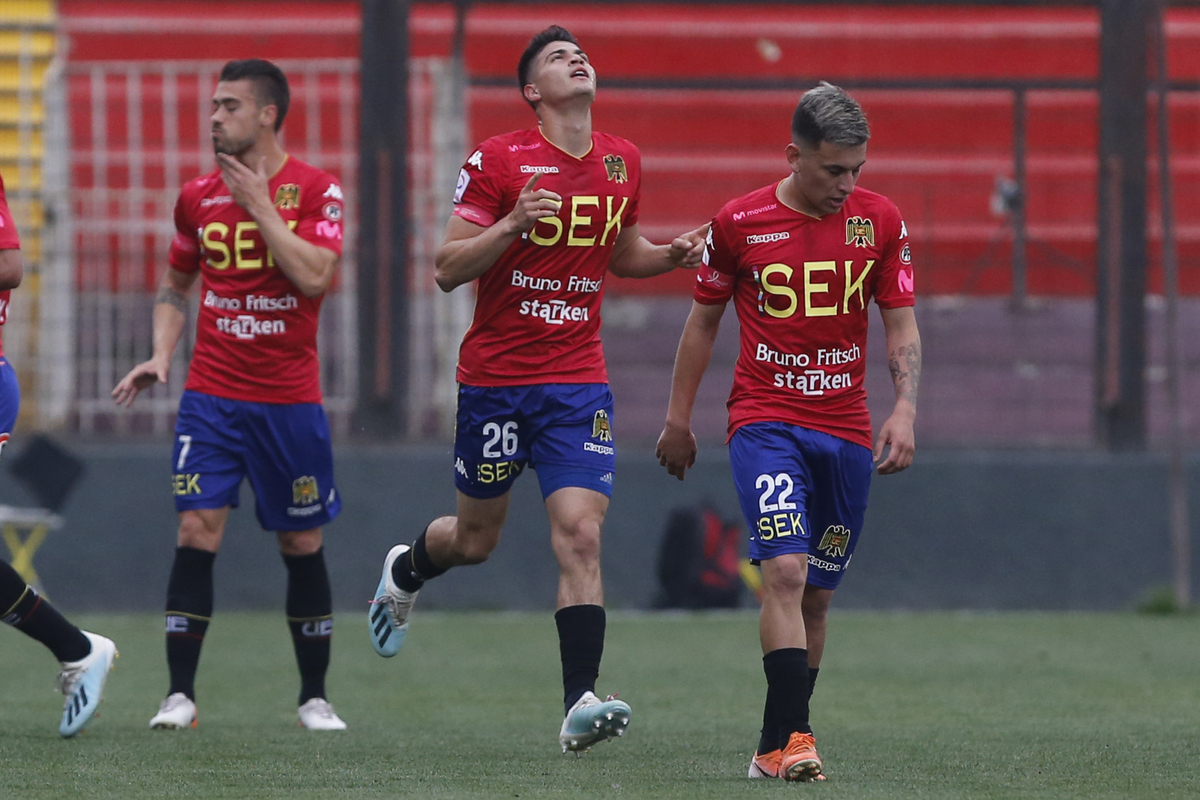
(460, 467)
(903, 230)
(304, 491)
(215, 201)
(287, 197)
(333, 192)
(529, 169)
(765, 238)
(601, 428)
(834, 541)
(614, 165)
(476, 160)
(860, 232)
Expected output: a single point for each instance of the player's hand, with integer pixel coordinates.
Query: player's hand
(897, 436)
(676, 449)
(687, 250)
(145, 374)
(248, 187)
(533, 204)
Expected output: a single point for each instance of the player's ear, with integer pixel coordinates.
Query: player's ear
(267, 116)
(793, 156)
(531, 93)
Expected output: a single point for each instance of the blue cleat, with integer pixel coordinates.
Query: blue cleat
(591, 720)
(387, 619)
(83, 683)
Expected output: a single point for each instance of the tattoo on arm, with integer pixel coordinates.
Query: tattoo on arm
(171, 297)
(906, 377)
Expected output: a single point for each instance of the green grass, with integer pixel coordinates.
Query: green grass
(908, 705)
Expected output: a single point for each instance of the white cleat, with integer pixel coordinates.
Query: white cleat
(387, 617)
(175, 713)
(593, 720)
(318, 715)
(82, 682)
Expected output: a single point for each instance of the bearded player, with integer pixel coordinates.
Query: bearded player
(264, 234)
(801, 259)
(85, 657)
(539, 216)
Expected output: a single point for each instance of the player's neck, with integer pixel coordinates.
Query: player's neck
(787, 193)
(268, 149)
(570, 130)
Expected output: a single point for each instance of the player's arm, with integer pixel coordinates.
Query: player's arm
(469, 250)
(904, 363)
(309, 266)
(677, 444)
(636, 257)
(170, 315)
(12, 269)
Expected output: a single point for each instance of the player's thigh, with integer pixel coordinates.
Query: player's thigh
(10, 401)
(841, 473)
(491, 439)
(207, 464)
(774, 488)
(289, 460)
(572, 442)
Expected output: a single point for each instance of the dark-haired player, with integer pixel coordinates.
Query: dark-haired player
(86, 657)
(264, 233)
(539, 217)
(801, 259)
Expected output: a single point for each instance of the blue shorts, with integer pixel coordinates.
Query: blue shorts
(283, 448)
(802, 491)
(10, 400)
(562, 430)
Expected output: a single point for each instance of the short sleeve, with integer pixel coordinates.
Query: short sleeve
(9, 239)
(635, 199)
(894, 285)
(479, 193)
(184, 255)
(321, 209)
(718, 268)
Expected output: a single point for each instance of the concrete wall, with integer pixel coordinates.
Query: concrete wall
(970, 530)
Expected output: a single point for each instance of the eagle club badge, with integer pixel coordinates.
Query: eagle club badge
(834, 541)
(304, 491)
(860, 232)
(601, 430)
(287, 197)
(614, 165)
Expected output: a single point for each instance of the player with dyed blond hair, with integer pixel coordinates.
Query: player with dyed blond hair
(801, 259)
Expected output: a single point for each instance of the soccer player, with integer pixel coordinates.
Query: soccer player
(539, 215)
(86, 657)
(264, 233)
(800, 259)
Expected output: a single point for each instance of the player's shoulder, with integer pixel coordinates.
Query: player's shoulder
(749, 206)
(202, 185)
(607, 143)
(302, 172)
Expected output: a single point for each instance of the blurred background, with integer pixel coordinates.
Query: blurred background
(1057, 261)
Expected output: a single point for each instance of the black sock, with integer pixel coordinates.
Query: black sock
(411, 570)
(28, 612)
(787, 680)
(189, 610)
(580, 644)
(310, 617)
(812, 681)
(768, 739)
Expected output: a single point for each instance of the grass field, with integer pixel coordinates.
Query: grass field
(908, 705)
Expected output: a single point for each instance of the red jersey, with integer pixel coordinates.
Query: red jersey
(801, 285)
(537, 310)
(256, 334)
(8, 241)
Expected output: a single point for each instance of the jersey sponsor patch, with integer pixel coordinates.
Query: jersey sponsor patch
(464, 180)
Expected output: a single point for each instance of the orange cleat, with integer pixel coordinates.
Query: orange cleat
(800, 761)
(765, 765)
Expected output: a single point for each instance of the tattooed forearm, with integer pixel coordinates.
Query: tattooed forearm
(172, 298)
(905, 365)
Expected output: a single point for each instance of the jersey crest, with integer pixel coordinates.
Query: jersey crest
(860, 232)
(287, 197)
(615, 167)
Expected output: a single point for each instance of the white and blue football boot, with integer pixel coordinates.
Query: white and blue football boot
(387, 619)
(82, 682)
(592, 720)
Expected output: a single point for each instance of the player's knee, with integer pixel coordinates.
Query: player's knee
(580, 539)
(785, 575)
(473, 544)
(299, 543)
(200, 530)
